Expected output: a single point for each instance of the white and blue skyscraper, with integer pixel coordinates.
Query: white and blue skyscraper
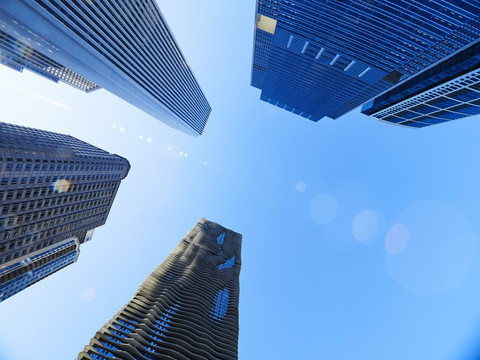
(125, 47)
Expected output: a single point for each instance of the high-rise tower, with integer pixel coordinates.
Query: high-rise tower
(447, 91)
(54, 191)
(187, 309)
(321, 58)
(125, 47)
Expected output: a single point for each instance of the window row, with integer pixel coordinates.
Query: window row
(56, 199)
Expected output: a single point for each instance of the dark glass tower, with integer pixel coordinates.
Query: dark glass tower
(125, 47)
(187, 309)
(54, 191)
(321, 58)
(446, 91)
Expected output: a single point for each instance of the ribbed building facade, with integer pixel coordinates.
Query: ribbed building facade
(187, 309)
(323, 58)
(448, 91)
(54, 191)
(124, 47)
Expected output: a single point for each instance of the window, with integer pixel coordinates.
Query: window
(221, 304)
(221, 238)
(227, 264)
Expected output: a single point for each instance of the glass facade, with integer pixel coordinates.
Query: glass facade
(322, 58)
(53, 187)
(227, 264)
(447, 91)
(186, 309)
(27, 271)
(221, 304)
(124, 47)
(18, 56)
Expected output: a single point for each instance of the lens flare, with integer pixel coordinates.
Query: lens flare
(61, 186)
(88, 295)
(323, 208)
(397, 239)
(431, 248)
(300, 186)
(365, 226)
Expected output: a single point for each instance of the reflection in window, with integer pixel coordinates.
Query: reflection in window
(221, 304)
(227, 264)
(221, 238)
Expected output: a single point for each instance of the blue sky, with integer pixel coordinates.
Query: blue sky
(360, 239)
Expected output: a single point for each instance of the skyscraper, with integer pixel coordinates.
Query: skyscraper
(125, 47)
(186, 309)
(54, 191)
(321, 58)
(446, 91)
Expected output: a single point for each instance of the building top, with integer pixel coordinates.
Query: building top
(451, 67)
(186, 309)
(124, 47)
(324, 58)
(52, 187)
(20, 142)
(18, 55)
(213, 236)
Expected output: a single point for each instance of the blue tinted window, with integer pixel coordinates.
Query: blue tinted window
(227, 264)
(447, 115)
(466, 109)
(406, 115)
(443, 102)
(431, 121)
(465, 95)
(423, 109)
(221, 238)
(414, 124)
(221, 304)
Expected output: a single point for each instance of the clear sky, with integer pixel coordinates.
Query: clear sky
(360, 239)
